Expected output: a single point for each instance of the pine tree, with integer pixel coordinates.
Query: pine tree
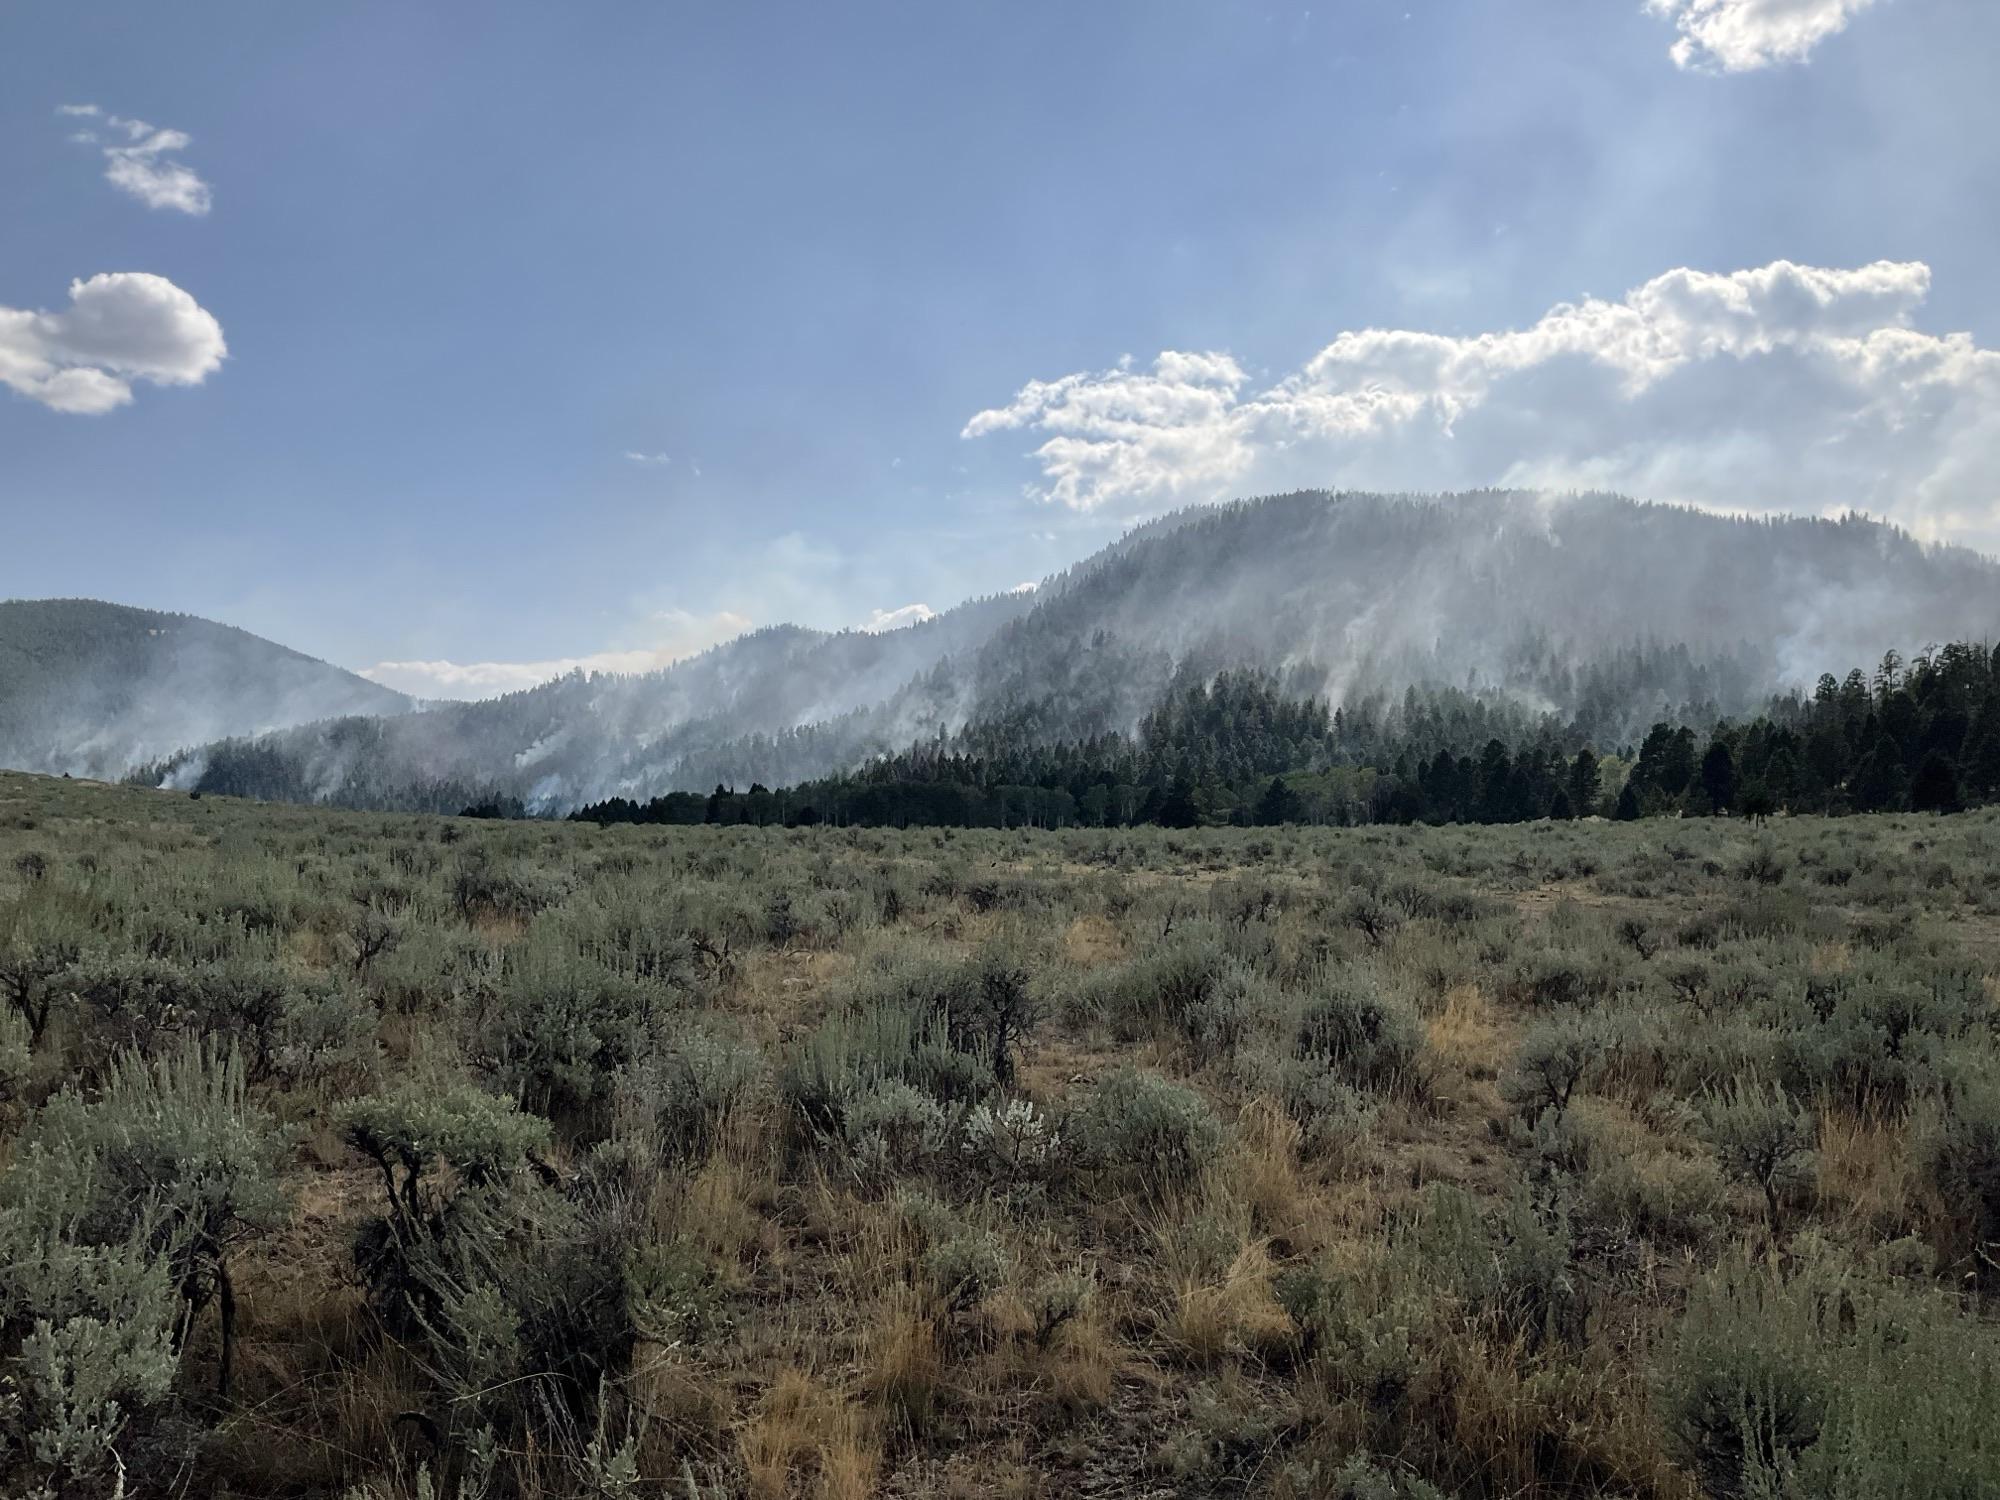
(1178, 810)
(1277, 805)
(1936, 786)
(1584, 782)
(1718, 776)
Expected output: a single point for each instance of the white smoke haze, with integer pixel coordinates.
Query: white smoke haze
(1737, 36)
(1546, 600)
(95, 689)
(679, 636)
(1785, 388)
(120, 327)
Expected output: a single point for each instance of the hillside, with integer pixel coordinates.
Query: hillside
(93, 689)
(1607, 612)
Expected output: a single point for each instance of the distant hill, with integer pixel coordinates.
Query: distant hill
(95, 689)
(1607, 612)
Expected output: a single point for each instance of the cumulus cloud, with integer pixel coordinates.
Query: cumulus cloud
(1783, 387)
(880, 620)
(119, 327)
(676, 635)
(1162, 433)
(139, 160)
(1736, 36)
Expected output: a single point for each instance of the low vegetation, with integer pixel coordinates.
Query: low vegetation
(384, 1156)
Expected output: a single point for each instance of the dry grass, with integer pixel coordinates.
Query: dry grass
(903, 1361)
(806, 1439)
(1093, 940)
(1468, 1035)
(832, 1368)
(1265, 1174)
(1865, 1172)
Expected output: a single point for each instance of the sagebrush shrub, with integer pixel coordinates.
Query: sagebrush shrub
(675, 1100)
(89, 1326)
(1014, 1141)
(891, 1128)
(1332, 1115)
(172, 1139)
(1821, 1384)
(443, 1156)
(1162, 989)
(1763, 1137)
(1958, 1149)
(1363, 1037)
(1556, 1058)
(559, 1025)
(1147, 1128)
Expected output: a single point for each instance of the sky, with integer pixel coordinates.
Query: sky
(465, 344)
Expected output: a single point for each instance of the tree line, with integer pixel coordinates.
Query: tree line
(1922, 735)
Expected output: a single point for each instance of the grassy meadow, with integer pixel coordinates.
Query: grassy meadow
(420, 1158)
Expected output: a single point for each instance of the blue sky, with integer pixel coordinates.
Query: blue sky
(598, 332)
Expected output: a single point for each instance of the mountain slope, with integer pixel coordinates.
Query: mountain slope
(94, 689)
(1604, 610)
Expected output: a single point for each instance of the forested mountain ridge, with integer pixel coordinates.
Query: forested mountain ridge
(91, 688)
(1920, 736)
(1609, 613)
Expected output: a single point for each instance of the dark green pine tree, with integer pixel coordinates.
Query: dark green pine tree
(1936, 786)
(1584, 782)
(1496, 774)
(1277, 805)
(1628, 804)
(1179, 809)
(1718, 776)
(1880, 782)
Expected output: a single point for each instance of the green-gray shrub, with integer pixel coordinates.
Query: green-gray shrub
(1958, 1149)
(174, 1138)
(90, 1329)
(1142, 1126)
(1332, 1115)
(1763, 1137)
(1364, 1037)
(675, 1101)
(891, 1128)
(1556, 1057)
(1818, 1384)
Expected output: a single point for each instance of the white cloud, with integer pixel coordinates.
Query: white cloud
(1784, 387)
(895, 619)
(1162, 433)
(141, 166)
(1739, 35)
(651, 459)
(120, 327)
(1024, 588)
(677, 634)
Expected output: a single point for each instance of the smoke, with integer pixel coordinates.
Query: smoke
(1609, 612)
(186, 775)
(97, 689)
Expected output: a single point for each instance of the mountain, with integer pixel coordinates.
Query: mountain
(94, 689)
(1609, 612)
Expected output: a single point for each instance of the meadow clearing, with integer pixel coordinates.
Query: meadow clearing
(394, 1156)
